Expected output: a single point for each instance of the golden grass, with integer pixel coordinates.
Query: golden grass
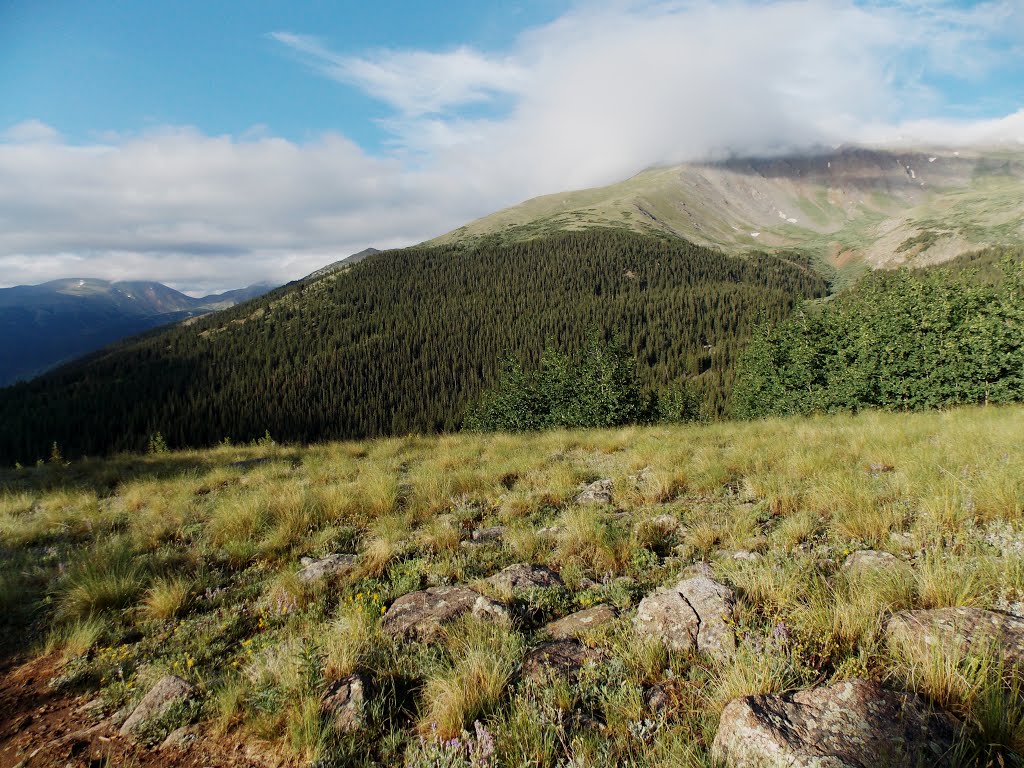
(470, 685)
(167, 598)
(106, 551)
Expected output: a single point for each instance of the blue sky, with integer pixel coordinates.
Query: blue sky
(88, 68)
(211, 144)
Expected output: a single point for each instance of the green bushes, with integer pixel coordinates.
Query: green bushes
(599, 387)
(900, 341)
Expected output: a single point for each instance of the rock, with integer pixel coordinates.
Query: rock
(597, 492)
(851, 724)
(903, 541)
(746, 554)
(483, 535)
(667, 524)
(581, 622)
(166, 693)
(522, 576)
(564, 657)
(657, 698)
(344, 703)
(703, 569)
(947, 628)
(117, 719)
(692, 615)
(328, 567)
(868, 561)
(420, 615)
(179, 738)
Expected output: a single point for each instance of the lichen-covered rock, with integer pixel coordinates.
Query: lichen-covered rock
(179, 738)
(562, 657)
(167, 692)
(695, 614)
(487, 535)
(868, 562)
(522, 576)
(421, 615)
(746, 554)
(327, 567)
(344, 703)
(852, 724)
(579, 623)
(969, 628)
(597, 492)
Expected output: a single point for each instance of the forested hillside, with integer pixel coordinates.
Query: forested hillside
(900, 340)
(404, 340)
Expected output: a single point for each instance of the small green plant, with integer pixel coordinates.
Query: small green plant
(156, 444)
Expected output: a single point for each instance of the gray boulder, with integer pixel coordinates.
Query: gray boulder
(522, 576)
(421, 615)
(165, 694)
(967, 628)
(179, 738)
(695, 614)
(851, 724)
(344, 704)
(597, 492)
(560, 657)
(868, 562)
(326, 567)
(488, 535)
(579, 623)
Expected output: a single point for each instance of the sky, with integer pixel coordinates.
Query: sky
(210, 145)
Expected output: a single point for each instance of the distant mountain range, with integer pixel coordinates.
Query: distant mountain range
(44, 325)
(851, 208)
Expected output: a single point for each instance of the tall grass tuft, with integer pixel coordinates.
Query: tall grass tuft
(473, 682)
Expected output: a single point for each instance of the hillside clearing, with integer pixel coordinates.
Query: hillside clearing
(116, 573)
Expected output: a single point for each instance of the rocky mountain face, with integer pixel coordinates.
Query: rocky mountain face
(850, 207)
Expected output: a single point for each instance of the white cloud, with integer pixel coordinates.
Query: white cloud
(30, 132)
(593, 97)
(414, 82)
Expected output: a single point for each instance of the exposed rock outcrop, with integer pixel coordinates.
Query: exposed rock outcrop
(579, 623)
(597, 492)
(421, 615)
(695, 614)
(563, 657)
(967, 628)
(328, 567)
(522, 576)
(344, 703)
(868, 562)
(167, 692)
(851, 724)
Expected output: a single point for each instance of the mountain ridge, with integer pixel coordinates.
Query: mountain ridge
(851, 208)
(44, 325)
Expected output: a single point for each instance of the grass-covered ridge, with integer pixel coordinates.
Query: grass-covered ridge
(186, 562)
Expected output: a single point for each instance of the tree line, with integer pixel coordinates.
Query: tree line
(407, 340)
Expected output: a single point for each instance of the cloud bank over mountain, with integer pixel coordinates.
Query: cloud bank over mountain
(590, 98)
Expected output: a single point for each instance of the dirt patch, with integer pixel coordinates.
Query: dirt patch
(42, 727)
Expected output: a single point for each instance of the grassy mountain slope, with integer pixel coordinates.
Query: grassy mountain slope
(849, 207)
(44, 325)
(402, 341)
(186, 563)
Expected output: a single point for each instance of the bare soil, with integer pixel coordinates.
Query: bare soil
(42, 727)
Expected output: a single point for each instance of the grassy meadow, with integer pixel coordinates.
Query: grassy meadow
(185, 562)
